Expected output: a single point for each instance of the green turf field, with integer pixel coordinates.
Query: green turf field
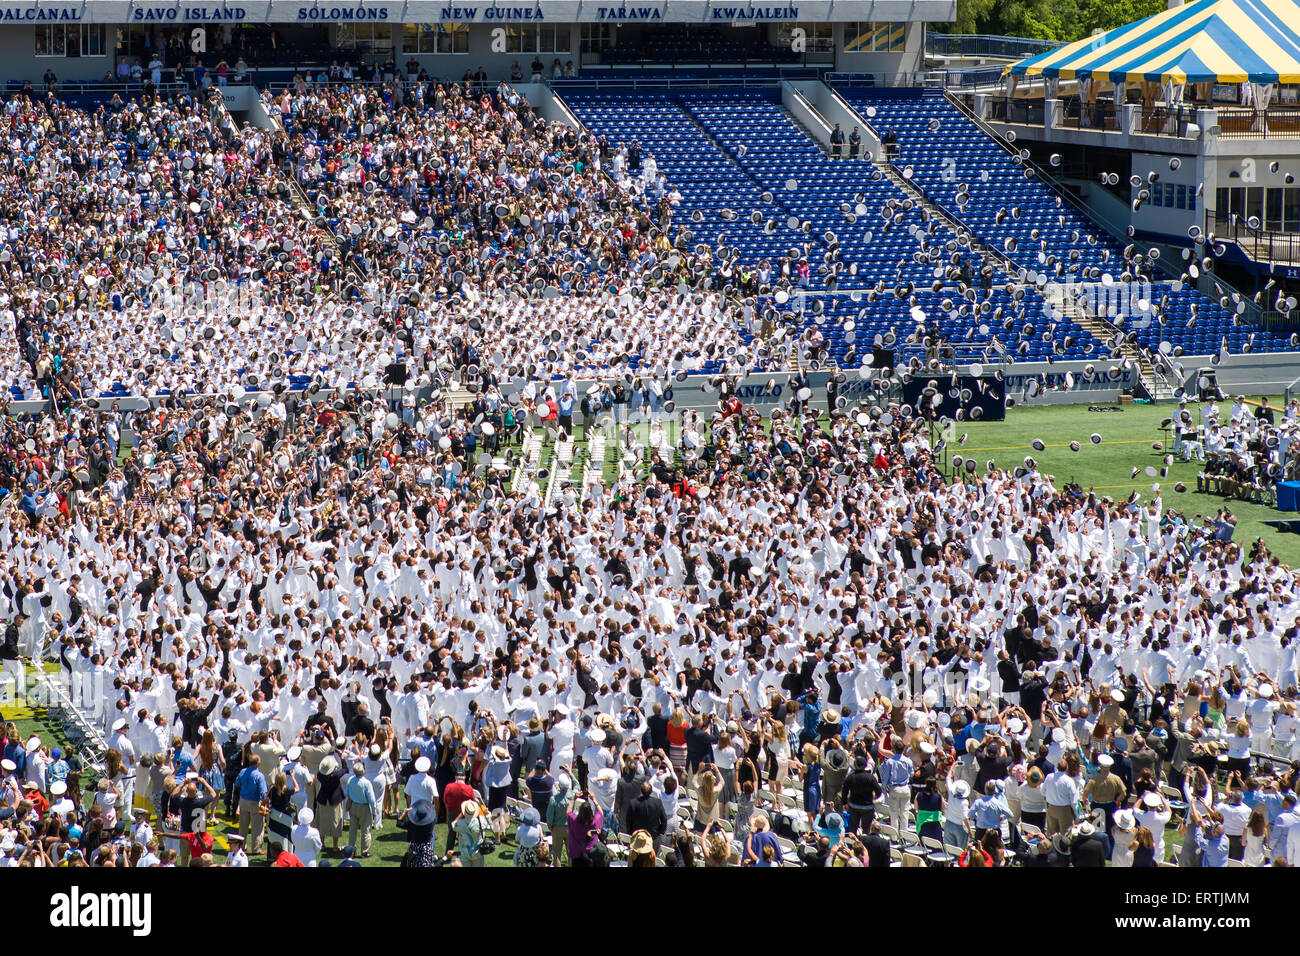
(1127, 434)
(387, 848)
(35, 719)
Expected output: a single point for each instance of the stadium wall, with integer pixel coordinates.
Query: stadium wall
(18, 60)
(908, 60)
(884, 37)
(1237, 374)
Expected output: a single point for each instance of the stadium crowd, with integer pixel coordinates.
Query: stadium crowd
(155, 249)
(810, 611)
(312, 610)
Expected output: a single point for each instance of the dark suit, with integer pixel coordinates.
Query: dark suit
(646, 812)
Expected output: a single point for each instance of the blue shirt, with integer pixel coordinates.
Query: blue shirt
(540, 790)
(812, 716)
(428, 747)
(844, 728)
(761, 838)
(360, 790)
(1271, 799)
(833, 836)
(896, 772)
(973, 731)
(989, 812)
(497, 774)
(1214, 852)
(18, 754)
(251, 784)
(183, 763)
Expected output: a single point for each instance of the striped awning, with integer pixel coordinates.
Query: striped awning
(1205, 41)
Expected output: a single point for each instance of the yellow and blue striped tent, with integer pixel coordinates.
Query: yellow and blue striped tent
(1205, 41)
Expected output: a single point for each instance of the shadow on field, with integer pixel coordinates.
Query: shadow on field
(1284, 527)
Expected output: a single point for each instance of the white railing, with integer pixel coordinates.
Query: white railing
(56, 699)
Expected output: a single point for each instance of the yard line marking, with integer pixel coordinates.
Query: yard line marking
(1126, 441)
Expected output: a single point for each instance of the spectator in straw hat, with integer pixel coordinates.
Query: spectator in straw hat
(641, 850)
(472, 830)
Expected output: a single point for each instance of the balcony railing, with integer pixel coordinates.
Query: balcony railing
(1100, 114)
(96, 88)
(1262, 245)
(1024, 112)
(1164, 120)
(965, 44)
(970, 80)
(1277, 122)
(878, 80)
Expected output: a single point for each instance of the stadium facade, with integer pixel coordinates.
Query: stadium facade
(89, 40)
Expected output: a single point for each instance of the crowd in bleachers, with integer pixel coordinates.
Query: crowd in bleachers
(153, 251)
(142, 244)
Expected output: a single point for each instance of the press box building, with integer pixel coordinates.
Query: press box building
(90, 40)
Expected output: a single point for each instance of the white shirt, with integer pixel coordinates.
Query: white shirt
(421, 786)
(1060, 789)
(61, 808)
(1234, 818)
(1120, 854)
(306, 843)
(1155, 821)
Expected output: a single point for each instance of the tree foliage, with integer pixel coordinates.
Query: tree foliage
(1110, 14)
(1064, 20)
